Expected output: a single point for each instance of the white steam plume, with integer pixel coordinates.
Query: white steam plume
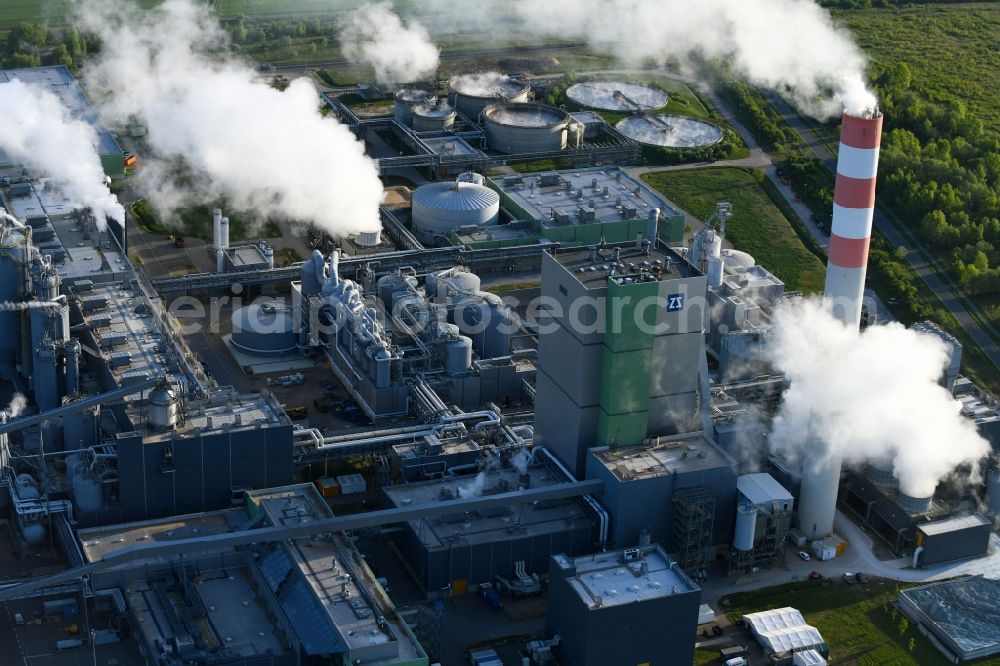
(869, 397)
(16, 406)
(39, 132)
(261, 149)
(399, 52)
(790, 46)
(16, 306)
(7, 217)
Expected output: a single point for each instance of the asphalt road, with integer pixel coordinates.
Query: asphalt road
(914, 257)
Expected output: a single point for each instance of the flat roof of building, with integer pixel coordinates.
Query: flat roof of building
(667, 455)
(352, 602)
(661, 263)
(58, 80)
(98, 542)
(246, 255)
(235, 618)
(494, 232)
(954, 524)
(627, 198)
(451, 146)
(486, 526)
(621, 577)
(965, 613)
(761, 488)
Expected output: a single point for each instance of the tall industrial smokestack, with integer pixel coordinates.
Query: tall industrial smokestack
(853, 209)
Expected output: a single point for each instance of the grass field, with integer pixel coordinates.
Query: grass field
(196, 222)
(857, 621)
(951, 48)
(757, 225)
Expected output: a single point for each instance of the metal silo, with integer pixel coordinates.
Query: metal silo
(440, 207)
(485, 319)
(263, 329)
(406, 100)
(433, 117)
(746, 526)
(458, 355)
(393, 283)
(88, 491)
(525, 128)
(453, 280)
(472, 93)
(46, 376)
(162, 405)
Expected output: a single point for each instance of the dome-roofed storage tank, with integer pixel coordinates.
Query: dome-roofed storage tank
(162, 404)
(263, 329)
(393, 283)
(437, 208)
(439, 284)
(484, 318)
(433, 117)
(458, 355)
(471, 93)
(406, 100)
(525, 128)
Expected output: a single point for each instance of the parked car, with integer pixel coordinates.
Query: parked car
(861, 578)
(804, 556)
(848, 578)
(815, 575)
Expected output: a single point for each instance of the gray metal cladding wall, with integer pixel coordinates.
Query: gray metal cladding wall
(720, 482)
(957, 545)
(206, 470)
(633, 505)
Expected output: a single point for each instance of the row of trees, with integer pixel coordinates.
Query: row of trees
(32, 45)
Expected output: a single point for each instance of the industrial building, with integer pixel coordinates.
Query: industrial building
(448, 554)
(629, 606)
(959, 537)
(962, 615)
(470, 94)
(620, 309)
(763, 520)
(58, 80)
(588, 206)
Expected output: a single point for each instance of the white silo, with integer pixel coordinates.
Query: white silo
(746, 526)
(440, 207)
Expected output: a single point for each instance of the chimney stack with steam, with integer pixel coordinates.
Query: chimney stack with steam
(853, 208)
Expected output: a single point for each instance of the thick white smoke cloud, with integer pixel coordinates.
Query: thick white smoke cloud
(37, 130)
(399, 52)
(791, 46)
(261, 149)
(17, 405)
(869, 397)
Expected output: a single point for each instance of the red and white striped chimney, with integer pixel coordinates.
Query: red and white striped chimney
(853, 209)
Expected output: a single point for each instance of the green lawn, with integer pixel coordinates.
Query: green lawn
(858, 622)
(757, 225)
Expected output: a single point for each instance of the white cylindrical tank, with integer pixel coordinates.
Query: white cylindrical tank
(88, 492)
(369, 238)
(217, 228)
(162, 404)
(715, 271)
(224, 233)
(433, 117)
(818, 498)
(451, 281)
(440, 207)
(993, 491)
(525, 128)
(458, 355)
(746, 525)
(471, 93)
(406, 100)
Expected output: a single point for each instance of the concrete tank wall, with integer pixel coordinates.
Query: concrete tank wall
(525, 128)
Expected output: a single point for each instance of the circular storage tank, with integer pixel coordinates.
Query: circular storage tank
(525, 128)
(669, 131)
(485, 319)
(433, 117)
(390, 285)
(440, 207)
(88, 492)
(163, 408)
(472, 93)
(912, 504)
(458, 355)
(461, 281)
(263, 329)
(746, 525)
(406, 100)
(616, 96)
(33, 533)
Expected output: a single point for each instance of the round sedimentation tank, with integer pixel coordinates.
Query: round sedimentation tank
(669, 131)
(163, 408)
(458, 355)
(440, 207)
(433, 117)
(406, 100)
(263, 329)
(525, 128)
(472, 93)
(88, 492)
(746, 526)
(617, 96)
(912, 504)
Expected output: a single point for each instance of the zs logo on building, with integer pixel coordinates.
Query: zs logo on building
(675, 302)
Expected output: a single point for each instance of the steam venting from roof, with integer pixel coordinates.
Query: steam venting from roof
(399, 52)
(482, 84)
(40, 133)
(210, 117)
(870, 397)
